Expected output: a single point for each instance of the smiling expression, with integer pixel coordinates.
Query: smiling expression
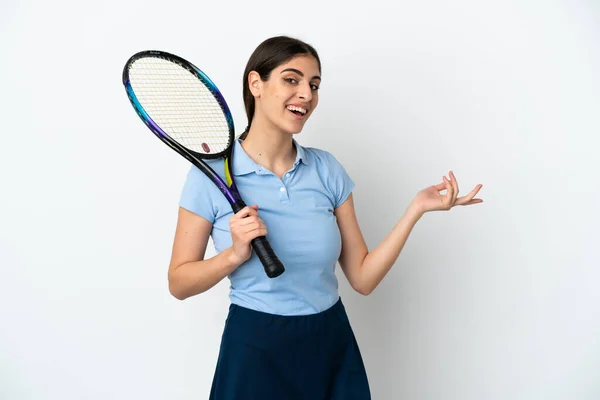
(290, 95)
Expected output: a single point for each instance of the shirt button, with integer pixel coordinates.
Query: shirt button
(282, 189)
(288, 174)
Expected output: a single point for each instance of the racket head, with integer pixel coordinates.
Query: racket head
(184, 108)
(179, 103)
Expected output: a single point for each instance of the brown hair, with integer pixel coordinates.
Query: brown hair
(266, 57)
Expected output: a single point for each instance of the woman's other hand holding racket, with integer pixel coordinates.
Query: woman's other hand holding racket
(245, 225)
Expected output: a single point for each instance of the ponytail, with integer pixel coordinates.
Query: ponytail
(244, 134)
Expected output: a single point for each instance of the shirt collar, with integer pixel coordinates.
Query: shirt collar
(300, 154)
(243, 164)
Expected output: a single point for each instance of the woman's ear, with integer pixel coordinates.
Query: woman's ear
(254, 83)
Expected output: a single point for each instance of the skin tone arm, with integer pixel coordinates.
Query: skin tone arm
(189, 273)
(365, 270)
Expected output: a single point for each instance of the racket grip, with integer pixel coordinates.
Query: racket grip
(273, 267)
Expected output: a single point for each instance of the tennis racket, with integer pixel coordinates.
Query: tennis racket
(184, 108)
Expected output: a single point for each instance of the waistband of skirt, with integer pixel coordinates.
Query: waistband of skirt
(337, 307)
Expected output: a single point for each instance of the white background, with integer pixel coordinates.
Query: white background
(496, 301)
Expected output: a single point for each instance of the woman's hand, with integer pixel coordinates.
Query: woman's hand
(430, 198)
(245, 225)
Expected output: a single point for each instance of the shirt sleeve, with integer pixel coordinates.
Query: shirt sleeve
(196, 195)
(340, 183)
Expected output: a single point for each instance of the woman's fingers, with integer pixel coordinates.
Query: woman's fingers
(247, 220)
(252, 227)
(454, 182)
(246, 211)
(469, 199)
(449, 197)
(246, 224)
(454, 186)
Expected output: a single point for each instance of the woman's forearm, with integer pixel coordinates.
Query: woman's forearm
(380, 260)
(192, 278)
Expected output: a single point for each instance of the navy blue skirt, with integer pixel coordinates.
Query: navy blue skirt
(309, 357)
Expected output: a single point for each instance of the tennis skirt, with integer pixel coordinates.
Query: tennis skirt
(309, 357)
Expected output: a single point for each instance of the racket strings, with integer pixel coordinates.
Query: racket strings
(180, 103)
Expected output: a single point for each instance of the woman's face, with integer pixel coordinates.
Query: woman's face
(290, 95)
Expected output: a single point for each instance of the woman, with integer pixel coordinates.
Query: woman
(287, 337)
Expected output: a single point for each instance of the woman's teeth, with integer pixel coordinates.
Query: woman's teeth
(297, 110)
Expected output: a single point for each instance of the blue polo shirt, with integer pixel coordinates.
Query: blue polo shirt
(302, 229)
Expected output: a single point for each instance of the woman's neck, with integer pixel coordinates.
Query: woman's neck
(270, 148)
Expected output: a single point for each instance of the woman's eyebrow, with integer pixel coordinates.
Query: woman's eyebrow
(299, 73)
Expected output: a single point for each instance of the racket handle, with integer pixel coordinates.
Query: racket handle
(273, 267)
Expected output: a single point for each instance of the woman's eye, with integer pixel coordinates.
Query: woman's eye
(291, 80)
(314, 87)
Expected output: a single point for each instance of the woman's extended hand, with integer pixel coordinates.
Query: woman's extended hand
(430, 198)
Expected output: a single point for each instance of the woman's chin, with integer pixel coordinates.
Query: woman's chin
(293, 129)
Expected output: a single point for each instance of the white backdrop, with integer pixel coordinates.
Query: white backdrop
(496, 301)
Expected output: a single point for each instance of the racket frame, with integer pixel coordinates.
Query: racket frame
(273, 267)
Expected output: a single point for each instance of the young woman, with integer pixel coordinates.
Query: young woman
(289, 337)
